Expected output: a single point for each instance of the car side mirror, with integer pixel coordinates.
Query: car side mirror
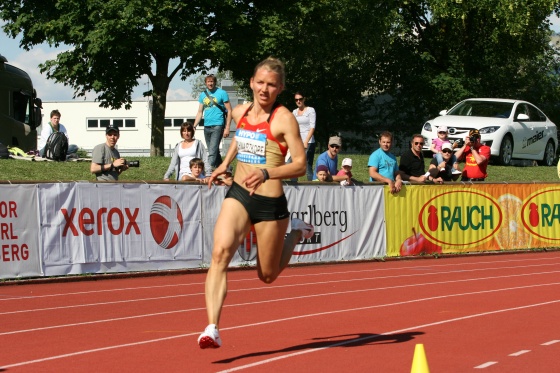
(522, 117)
(443, 112)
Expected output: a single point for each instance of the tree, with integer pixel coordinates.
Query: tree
(115, 42)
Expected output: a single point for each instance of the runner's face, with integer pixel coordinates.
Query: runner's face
(266, 86)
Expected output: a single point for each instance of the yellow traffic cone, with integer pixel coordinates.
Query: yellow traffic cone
(419, 362)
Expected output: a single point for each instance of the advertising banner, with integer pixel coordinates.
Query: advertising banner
(119, 223)
(349, 224)
(19, 232)
(472, 217)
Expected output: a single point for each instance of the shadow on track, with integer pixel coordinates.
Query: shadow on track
(348, 340)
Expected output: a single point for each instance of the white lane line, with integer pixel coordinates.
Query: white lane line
(289, 319)
(519, 353)
(550, 342)
(486, 365)
(287, 276)
(289, 299)
(279, 287)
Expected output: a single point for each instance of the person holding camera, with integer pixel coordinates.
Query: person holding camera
(476, 156)
(106, 162)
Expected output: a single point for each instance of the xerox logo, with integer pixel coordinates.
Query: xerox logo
(115, 220)
(166, 222)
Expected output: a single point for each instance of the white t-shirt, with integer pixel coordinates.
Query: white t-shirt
(306, 121)
(46, 132)
(185, 155)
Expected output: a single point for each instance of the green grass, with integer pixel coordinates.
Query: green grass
(152, 169)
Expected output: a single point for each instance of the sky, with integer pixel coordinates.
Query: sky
(48, 90)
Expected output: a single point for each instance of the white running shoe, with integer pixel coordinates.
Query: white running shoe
(306, 229)
(456, 172)
(210, 338)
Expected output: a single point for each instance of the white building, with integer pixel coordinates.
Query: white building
(86, 122)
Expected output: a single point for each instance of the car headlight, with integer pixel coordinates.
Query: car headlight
(427, 127)
(487, 130)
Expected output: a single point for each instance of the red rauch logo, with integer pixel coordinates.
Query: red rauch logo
(460, 218)
(166, 222)
(541, 215)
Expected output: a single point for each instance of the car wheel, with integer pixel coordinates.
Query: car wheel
(506, 150)
(548, 159)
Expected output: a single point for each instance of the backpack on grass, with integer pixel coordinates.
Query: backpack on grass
(4, 153)
(57, 146)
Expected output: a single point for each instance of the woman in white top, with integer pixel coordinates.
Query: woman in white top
(184, 151)
(306, 117)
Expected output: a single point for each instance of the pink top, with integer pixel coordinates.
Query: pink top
(439, 143)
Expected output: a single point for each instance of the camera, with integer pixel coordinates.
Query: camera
(473, 138)
(132, 163)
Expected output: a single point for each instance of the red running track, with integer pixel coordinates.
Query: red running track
(494, 313)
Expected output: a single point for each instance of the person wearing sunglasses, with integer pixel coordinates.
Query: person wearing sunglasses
(306, 117)
(329, 158)
(411, 166)
(382, 164)
(445, 169)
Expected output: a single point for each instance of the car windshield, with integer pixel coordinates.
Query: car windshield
(486, 109)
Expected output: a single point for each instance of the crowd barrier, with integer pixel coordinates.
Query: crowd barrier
(54, 229)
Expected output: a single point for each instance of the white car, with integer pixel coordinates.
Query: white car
(512, 129)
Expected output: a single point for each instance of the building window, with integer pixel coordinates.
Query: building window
(176, 122)
(99, 123)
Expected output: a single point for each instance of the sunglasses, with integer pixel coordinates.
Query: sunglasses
(443, 132)
(299, 99)
(334, 146)
(446, 151)
(418, 143)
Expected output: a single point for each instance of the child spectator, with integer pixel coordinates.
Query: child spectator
(322, 173)
(436, 147)
(346, 171)
(197, 167)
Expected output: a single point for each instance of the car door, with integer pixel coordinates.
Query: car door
(521, 130)
(535, 142)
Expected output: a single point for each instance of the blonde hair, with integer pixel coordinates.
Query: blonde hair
(275, 65)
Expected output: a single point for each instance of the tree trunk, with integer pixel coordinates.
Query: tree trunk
(160, 83)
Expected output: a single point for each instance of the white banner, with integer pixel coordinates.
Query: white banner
(112, 222)
(19, 232)
(349, 224)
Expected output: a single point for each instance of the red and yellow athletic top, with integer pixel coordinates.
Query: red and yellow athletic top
(255, 143)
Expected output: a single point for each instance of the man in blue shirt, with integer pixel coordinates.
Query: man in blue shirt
(383, 165)
(214, 103)
(330, 159)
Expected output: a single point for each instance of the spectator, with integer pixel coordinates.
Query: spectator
(306, 117)
(411, 167)
(55, 126)
(330, 159)
(322, 173)
(383, 165)
(476, 157)
(106, 162)
(197, 171)
(346, 172)
(214, 102)
(436, 148)
(444, 170)
(184, 151)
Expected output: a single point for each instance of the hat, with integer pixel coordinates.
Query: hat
(347, 162)
(447, 145)
(322, 168)
(112, 127)
(442, 129)
(474, 133)
(335, 140)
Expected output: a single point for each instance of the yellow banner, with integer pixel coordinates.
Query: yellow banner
(456, 218)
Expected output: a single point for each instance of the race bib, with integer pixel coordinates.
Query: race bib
(251, 146)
